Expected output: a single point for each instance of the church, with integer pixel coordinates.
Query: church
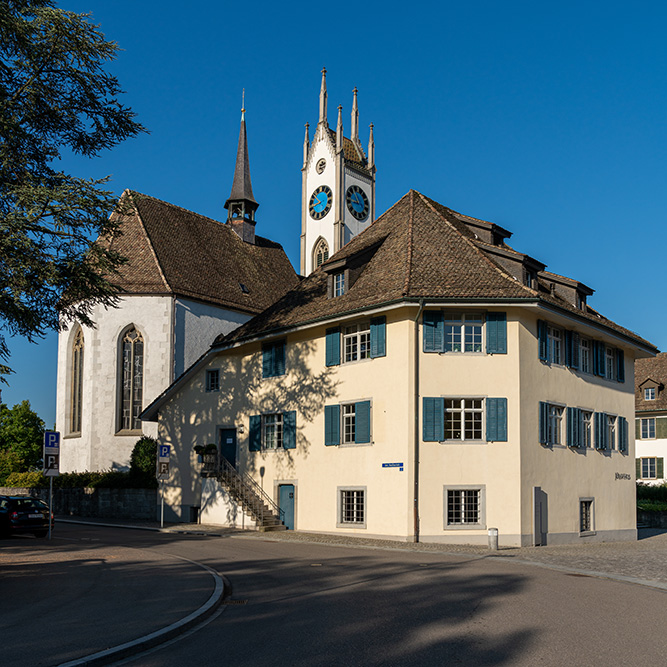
(422, 381)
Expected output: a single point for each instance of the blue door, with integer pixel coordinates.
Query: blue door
(286, 503)
(228, 444)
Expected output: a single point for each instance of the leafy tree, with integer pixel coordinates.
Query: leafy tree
(21, 438)
(54, 98)
(143, 461)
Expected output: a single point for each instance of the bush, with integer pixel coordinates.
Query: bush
(27, 480)
(651, 506)
(143, 463)
(652, 492)
(107, 479)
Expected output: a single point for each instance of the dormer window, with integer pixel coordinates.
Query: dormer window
(649, 394)
(339, 284)
(529, 278)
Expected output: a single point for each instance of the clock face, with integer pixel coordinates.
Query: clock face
(321, 165)
(357, 202)
(320, 202)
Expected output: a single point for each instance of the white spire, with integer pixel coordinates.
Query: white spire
(339, 130)
(306, 144)
(355, 118)
(371, 149)
(323, 97)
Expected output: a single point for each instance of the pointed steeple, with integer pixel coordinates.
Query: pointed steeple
(241, 204)
(371, 149)
(355, 118)
(339, 130)
(323, 98)
(306, 145)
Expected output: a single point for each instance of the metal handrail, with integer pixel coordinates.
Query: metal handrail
(251, 494)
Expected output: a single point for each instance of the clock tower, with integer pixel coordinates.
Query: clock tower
(338, 186)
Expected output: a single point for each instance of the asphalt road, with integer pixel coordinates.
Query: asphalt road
(308, 604)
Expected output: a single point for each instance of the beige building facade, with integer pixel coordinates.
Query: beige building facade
(425, 383)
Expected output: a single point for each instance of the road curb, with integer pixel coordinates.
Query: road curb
(169, 632)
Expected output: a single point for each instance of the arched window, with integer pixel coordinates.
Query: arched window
(132, 376)
(320, 253)
(76, 383)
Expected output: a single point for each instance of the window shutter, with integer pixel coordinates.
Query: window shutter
(279, 359)
(620, 366)
(638, 468)
(433, 419)
(574, 352)
(660, 467)
(623, 441)
(496, 419)
(267, 361)
(289, 430)
(638, 428)
(255, 429)
(543, 340)
(496, 333)
(434, 331)
(362, 422)
(599, 358)
(568, 348)
(573, 427)
(333, 347)
(378, 337)
(600, 431)
(544, 421)
(331, 425)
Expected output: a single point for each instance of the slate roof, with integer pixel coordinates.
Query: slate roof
(651, 369)
(353, 153)
(418, 249)
(171, 250)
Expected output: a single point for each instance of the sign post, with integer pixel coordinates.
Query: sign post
(162, 473)
(51, 464)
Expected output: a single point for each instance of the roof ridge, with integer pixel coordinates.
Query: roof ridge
(473, 245)
(408, 261)
(150, 242)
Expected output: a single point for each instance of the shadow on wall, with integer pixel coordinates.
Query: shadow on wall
(193, 415)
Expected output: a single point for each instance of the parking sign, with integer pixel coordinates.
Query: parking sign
(51, 453)
(163, 453)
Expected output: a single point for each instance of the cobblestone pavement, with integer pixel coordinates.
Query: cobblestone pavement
(643, 561)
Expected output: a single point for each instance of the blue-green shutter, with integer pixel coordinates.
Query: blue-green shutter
(433, 419)
(573, 427)
(620, 366)
(600, 430)
(362, 422)
(623, 436)
(434, 331)
(279, 358)
(255, 440)
(638, 468)
(378, 336)
(660, 467)
(496, 333)
(331, 425)
(267, 361)
(574, 352)
(333, 347)
(496, 419)
(599, 358)
(568, 348)
(544, 423)
(543, 340)
(289, 430)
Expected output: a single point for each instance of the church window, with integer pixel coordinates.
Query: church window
(132, 375)
(77, 383)
(321, 252)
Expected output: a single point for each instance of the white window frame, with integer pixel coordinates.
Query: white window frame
(348, 423)
(586, 516)
(466, 409)
(647, 428)
(356, 342)
(651, 463)
(464, 330)
(586, 429)
(610, 363)
(339, 284)
(272, 431)
(352, 507)
(555, 344)
(585, 355)
(612, 431)
(461, 492)
(649, 393)
(212, 385)
(555, 424)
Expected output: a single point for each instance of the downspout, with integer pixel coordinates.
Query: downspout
(415, 465)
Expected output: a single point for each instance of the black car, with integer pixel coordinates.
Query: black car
(23, 514)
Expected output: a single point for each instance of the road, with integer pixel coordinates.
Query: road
(317, 605)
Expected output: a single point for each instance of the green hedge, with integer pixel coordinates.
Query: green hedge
(651, 506)
(652, 492)
(108, 479)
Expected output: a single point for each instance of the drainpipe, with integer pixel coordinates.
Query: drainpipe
(415, 466)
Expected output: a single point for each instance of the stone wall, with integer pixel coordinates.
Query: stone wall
(100, 503)
(652, 519)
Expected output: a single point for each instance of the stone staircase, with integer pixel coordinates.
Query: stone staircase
(252, 498)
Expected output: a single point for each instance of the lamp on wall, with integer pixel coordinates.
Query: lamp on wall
(239, 429)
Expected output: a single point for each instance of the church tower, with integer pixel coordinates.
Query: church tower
(241, 205)
(338, 186)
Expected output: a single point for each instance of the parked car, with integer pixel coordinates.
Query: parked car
(23, 514)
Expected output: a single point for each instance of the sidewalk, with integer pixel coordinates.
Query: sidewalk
(643, 562)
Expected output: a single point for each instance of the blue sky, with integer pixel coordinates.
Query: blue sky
(546, 118)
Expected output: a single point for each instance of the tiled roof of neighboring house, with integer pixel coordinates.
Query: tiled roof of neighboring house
(171, 250)
(418, 249)
(654, 369)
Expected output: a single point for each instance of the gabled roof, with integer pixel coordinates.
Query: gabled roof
(654, 369)
(171, 250)
(416, 250)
